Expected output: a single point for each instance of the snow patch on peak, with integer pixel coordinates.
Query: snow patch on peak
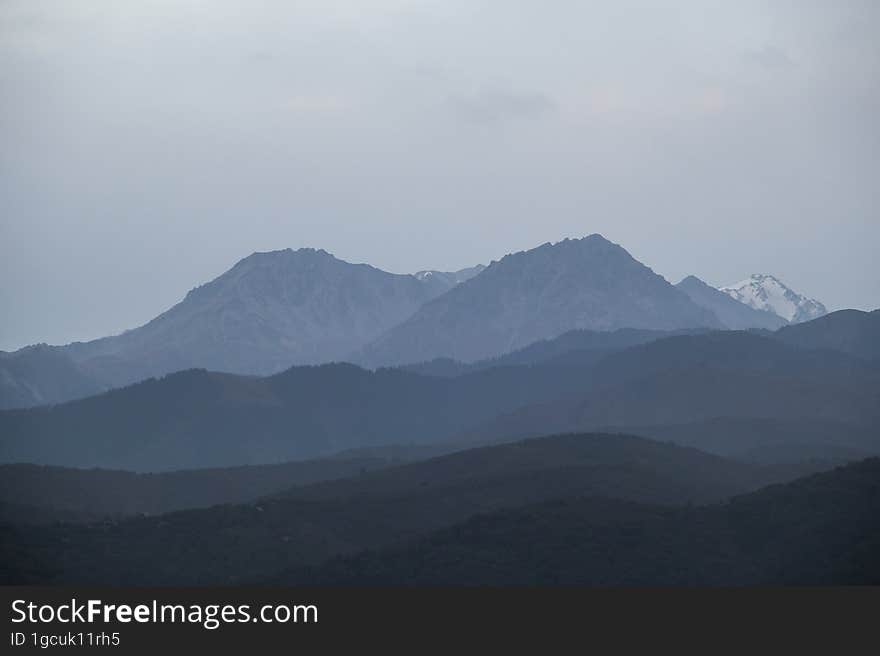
(766, 292)
(451, 277)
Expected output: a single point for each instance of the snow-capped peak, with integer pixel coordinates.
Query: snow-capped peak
(452, 278)
(766, 292)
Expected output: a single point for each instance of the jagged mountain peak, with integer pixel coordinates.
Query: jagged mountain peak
(593, 255)
(569, 245)
(290, 257)
(589, 283)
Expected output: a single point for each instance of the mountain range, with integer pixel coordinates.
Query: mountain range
(198, 418)
(561, 416)
(282, 308)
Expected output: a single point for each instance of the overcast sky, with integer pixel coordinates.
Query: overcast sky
(146, 146)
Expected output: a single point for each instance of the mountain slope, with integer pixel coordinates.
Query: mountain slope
(686, 473)
(99, 492)
(696, 378)
(574, 348)
(734, 314)
(586, 283)
(765, 292)
(847, 331)
(309, 524)
(42, 374)
(823, 529)
(690, 395)
(770, 441)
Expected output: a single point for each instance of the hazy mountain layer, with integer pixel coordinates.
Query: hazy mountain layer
(40, 375)
(823, 529)
(100, 492)
(847, 331)
(309, 524)
(201, 419)
(770, 441)
(576, 348)
(680, 380)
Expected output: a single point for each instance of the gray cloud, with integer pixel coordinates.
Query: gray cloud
(770, 57)
(494, 105)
